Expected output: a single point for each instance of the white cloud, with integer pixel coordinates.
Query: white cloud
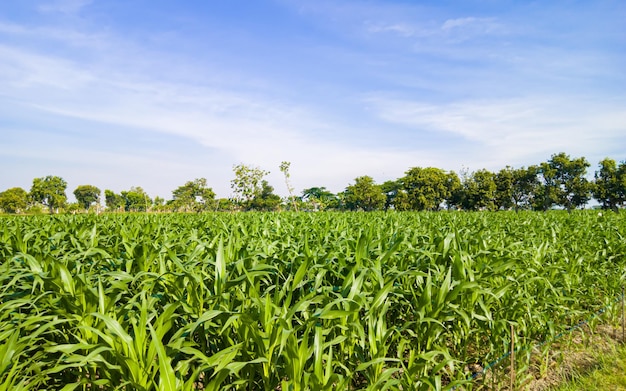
(459, 22)
(249, 127)
(64, 6)
(96, 79)
(402, 29)
(511, 131)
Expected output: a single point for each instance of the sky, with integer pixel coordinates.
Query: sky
(155, 93)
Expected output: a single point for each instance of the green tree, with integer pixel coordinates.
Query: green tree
(455, 187)
(479, 191)
(13, 200)
(73, 207)
(160, 205)
(504, 180)
(525, 184)
(194, 196)
(226, 205)
(396, 196)
(391, 189)
(319, 198)
(427, 188)
(113, 201)
(247, 184)
(136, 200)
(609, 187)
(266, 200)
(284, 168)
(86, 195)
(564, 182)
(364, 195)
(49, 191)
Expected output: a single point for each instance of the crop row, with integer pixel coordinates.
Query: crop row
(291, 301)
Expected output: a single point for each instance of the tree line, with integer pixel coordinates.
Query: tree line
(560, 182)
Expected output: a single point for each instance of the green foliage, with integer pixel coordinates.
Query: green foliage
(13, 200)
(248, 182)
(136, 200)
(610, 184)
(319, 198)
(479, 191)
(364, 195)
(266, 200)
(291, 301)
(49, 191)
(427, 188)
(114, 202)
(284, 168)
(193, 196)
(87, 195)
(564, 182)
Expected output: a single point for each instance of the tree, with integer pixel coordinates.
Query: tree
(266, 200)
(427, 188)
(504, 188)
(226, 205)
(455, 187)
(49, 191)
(247, 183)
(136, 200)
(319, 198)
(391, 190)
(479, 191)
(194, 196)
(113, 202)
(564, 182)
(284, 168)
(13, 200)
(86, 195)
(364, 195)
(609, 187)
(525, 183)
(516, 187)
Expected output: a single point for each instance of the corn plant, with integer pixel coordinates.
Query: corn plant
(294, 301)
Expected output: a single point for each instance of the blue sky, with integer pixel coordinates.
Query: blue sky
(154, 93)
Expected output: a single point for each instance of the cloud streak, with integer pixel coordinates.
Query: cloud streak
(346, 90)
(515, 130)
(68, 7)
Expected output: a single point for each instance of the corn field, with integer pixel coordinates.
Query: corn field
(293, 301)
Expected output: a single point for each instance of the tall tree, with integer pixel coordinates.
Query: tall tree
(427, 188)
(364, 195)
(226, 205)
(564, 182)
(194, 196)
(479, 191)
(86, 195)
(320, 198)
(49, 191)
(265, 200)
(455, 187)
(515, 187)
(247, 183)
(524, 187)
(284, 168)
(609, 187)
(136, 199)
(13, 200)
(504, 180)
(391, 189)
(113, 201)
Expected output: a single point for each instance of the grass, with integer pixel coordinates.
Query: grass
(608, 373)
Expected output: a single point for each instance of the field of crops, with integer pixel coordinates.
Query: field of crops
(292, 301)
